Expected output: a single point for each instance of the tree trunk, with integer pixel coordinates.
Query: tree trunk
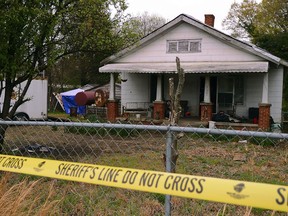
(3, 129)
(176, 110)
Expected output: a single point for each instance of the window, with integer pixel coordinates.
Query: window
(225, 99)
(184, 46)
(195, 46)
(172, 47)
(230, 91)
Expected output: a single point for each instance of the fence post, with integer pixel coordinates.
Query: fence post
(169, 142)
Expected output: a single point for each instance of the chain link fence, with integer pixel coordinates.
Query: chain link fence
(232, 154)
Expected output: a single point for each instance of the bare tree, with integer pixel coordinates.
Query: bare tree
(176, 110)
(137, 27)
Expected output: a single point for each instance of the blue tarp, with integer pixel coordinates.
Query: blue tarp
(68, 99)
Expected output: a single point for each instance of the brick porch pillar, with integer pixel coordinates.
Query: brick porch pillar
(206, 110)
(264, 116)
(112, 110)
(159, 110)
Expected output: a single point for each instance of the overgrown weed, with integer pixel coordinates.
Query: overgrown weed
(26, 197)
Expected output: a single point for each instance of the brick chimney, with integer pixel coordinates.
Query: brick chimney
(209, 19)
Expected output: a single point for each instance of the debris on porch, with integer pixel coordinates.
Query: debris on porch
(224, 117)
(222, 120)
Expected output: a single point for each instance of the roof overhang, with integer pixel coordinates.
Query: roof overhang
(189, 67)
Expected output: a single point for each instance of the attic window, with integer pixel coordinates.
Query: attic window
(184, 46)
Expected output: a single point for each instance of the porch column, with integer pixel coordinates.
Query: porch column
(264, 106)
(206, 107)
(207, 98)
(265, 89)
(112, 105)
(159, 88)
(112, 87)
(159, 104)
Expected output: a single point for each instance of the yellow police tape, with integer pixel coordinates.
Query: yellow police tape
(259, 195)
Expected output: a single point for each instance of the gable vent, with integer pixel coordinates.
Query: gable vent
(184, 46)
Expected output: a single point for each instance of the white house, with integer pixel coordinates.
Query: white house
(222, 73)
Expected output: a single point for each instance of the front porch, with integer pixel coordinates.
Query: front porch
(201, 99)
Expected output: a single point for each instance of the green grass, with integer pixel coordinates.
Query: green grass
(85, 199)
(58, 115)
(205, 156)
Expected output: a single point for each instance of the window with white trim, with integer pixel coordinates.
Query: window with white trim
(184, 46)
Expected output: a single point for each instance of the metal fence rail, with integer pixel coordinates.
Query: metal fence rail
(245, 155)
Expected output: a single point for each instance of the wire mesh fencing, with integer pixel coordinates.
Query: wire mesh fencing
(231, 154)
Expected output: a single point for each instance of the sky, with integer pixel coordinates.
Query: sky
(169, 9)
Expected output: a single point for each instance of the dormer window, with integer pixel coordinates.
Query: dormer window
(184, 46)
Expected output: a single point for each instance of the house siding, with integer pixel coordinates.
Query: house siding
(135, 89)
(276, 92)
(253, 93)
(212, 49)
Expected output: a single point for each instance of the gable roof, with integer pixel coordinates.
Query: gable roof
(248, 47)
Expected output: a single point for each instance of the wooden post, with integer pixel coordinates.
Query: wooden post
(175, 112)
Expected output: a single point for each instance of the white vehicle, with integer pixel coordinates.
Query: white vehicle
(36, 107)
